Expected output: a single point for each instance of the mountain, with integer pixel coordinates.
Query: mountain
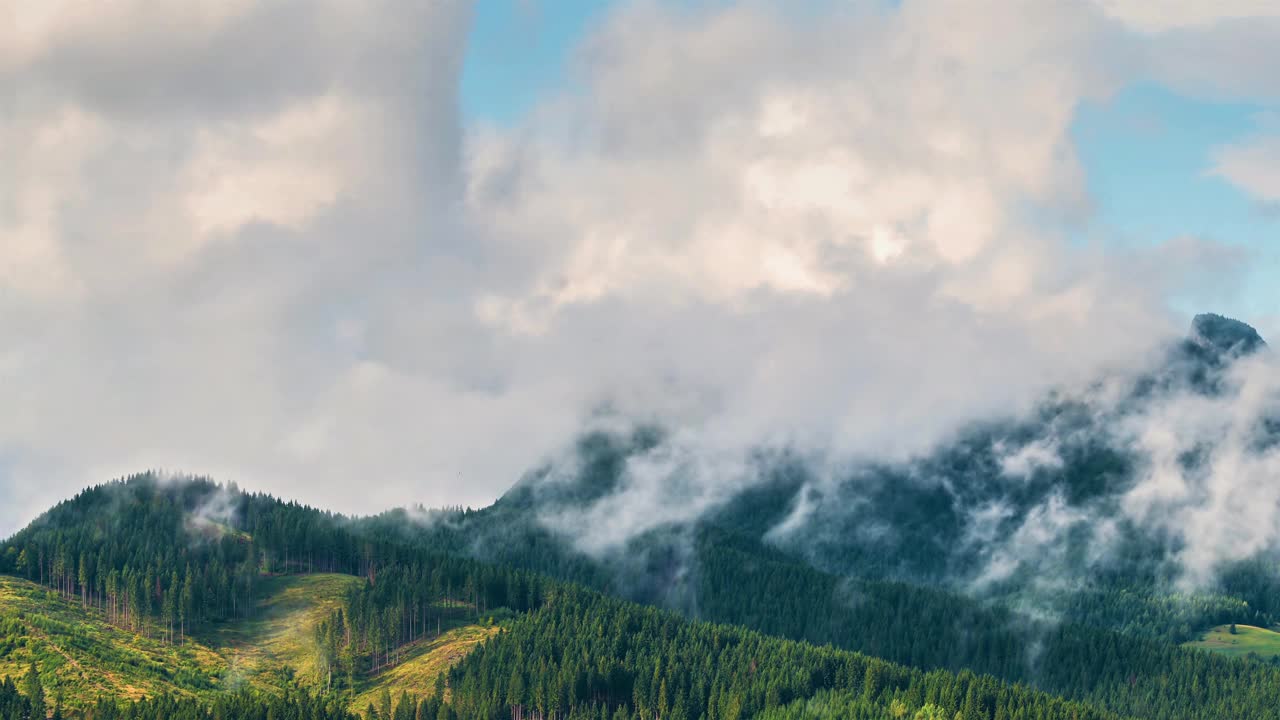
(1223, 336)
(283, 627)
(1065, 511)
(1052, 564)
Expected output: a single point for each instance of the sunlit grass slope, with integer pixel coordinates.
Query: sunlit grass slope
(1247, 639)
(82, 657)
(276, 648)
(425, 660)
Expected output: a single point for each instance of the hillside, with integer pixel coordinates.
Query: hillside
(580, 650)
(82, 656)
(134, 554)
(1246, 642)
(275, 648)
(425, 661)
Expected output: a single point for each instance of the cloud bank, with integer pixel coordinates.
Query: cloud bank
(292, 265)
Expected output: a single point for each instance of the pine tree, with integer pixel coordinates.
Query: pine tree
(34, 691)
(384, 705)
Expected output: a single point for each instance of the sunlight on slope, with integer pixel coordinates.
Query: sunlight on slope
(1248, 639)
(82, 656)
(426, 659)
(276, 648)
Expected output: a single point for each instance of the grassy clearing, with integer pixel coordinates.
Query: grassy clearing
(83, 657)
(425, 660)
(276, 648)
(1248, 639)
(210, 530)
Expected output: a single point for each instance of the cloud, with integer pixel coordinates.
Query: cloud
(671, 484)
(200, 225)
(291, 265)
(1253, 167)
(1033, 456)
(1224, 61)
(1197, 478)
(1157, 16)
(838, 257)
(1209, 470)
(1040, 542)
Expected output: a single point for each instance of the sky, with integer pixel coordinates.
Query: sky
(410, 253)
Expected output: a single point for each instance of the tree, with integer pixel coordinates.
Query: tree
(186, 604)
(34, 691)
(83, 578)
(405, 706)
(1232, 629)
(384, 705)
(931, 712)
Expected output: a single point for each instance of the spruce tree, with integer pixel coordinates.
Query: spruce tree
(34, 691)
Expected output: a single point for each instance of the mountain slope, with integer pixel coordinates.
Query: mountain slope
(425, 662)
(1091, 494)
(1012, 550)
(82, 656)
(276, 648)
(868, 558)
(265, 636)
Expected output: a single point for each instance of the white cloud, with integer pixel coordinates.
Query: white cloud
(1253, 166)
(838, 255)
(674, 483)
(1029, 458)
(273, 172)
(289, 265)
(204, 225)
(1222, 506)
(1162, 15)
(1037, 542)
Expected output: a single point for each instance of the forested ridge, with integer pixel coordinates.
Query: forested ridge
(152, 554)
(585, 655)
(401, 596)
